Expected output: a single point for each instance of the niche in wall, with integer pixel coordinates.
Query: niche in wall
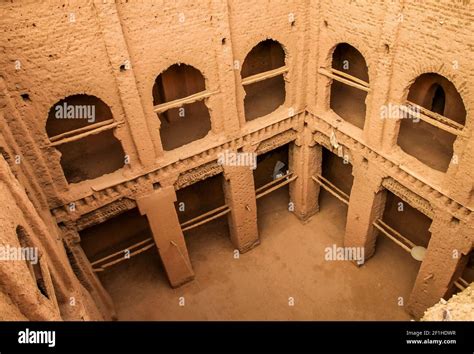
(263, 79)
(441, 102)
(81, 128)
(184, 117)
(347, 101)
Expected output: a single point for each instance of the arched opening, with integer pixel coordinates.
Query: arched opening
(178, 99)
(263, 79)
(350, 84)
(436, 117)
(81, 128)
(402, 236)
(33, 265)
(272, 169)
(336, 182)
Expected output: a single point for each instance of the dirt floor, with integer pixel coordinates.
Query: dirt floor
(289, 262)
(430, 146)
(349, 103)
(264, 97)
(177, 130)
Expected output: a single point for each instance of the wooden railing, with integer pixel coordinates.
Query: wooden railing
(345, 78)
(83, 132)
(331, 188)
(265, 75)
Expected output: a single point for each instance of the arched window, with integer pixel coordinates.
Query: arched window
(33, 265)
(81, 128)
(435, 117)
(263, 79)
(350, 84)
(178, 99)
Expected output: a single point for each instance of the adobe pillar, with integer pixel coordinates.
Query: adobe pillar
(450, 240)
(239, 190)
(87, 276)
(161, 214)
(305, 162)
(366, 205)
(145, 134)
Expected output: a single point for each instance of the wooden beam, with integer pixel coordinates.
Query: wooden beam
(119, 260)
(340, 191)
(81, 130)
(263, 76)
(350, 77)
(122, 251)
(459, 285)
(223, 210)
(437, 116)
(436, 123)
(83, 135)
(344, 198)
(351, 83)
(393, 238)
(276, 187)
(182, 101)
(259, 189)
(213, 211)
(396, 233)
(206, 220)
(463, 282)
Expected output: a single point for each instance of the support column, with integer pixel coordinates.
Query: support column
(145, 136)
(380, 132)
(86, 275)
(225, 104)
(305, 162)
(366, 205)
(463, 171)
(451, 239)
(239, 190)
(161, 213)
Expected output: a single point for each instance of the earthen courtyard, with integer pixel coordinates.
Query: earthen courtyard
(235, 160)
